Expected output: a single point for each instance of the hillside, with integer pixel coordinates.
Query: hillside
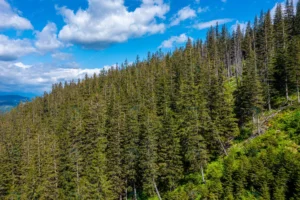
(191, 124)
(266, 167)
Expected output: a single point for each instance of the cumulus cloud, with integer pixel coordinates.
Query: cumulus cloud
(62, 56)
(21, 65)
(172, 41)
(11, 19)
(108, 22)
(12, 49)
(47, 40)
(205, 25)
(109, 67)
(182, 15)
(38, 78)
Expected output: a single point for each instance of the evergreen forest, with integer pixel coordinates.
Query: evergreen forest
(216, 119)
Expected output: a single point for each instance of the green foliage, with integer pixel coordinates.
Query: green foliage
(266, 167)
(168, 125)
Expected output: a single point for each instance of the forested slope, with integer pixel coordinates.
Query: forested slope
(139, 131)
(267, 167)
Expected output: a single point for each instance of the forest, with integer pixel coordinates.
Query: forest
(183, 125)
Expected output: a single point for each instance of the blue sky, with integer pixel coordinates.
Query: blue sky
(46, 41)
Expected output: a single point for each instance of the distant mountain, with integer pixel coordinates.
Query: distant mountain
(7, 102)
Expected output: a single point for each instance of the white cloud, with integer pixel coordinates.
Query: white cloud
(11, 19)
(172, 41)
(243, 26)
(12, 49)
(203, 9)
(38, 78)
(47, 38)
(183, 14)
(109, 67)
(62, 56)
(204, 25)
(21, 65)
(108, 22)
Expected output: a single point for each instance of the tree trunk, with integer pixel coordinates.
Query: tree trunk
(126, 192)
(258, 129)
(286, 88)
(134, 190)
(269, 97)
(267, 71)
(298, 90)
(202, 173)
(221, 143)
(157, 192)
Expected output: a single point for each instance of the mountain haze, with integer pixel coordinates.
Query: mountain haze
(7, 102)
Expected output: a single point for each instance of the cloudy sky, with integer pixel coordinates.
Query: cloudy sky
(47, 41)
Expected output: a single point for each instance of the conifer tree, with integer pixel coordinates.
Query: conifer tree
(268, 59)
(169, 161)
(115, 126)
(149, 130)
(289, 18)
(130, 148)
(249, 93)
(281, 74)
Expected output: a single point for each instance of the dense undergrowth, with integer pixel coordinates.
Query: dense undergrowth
(266, 167)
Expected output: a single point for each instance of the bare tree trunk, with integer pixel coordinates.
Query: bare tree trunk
(126, 192)
(134, 190)
(221, 143)
(202, 173)
(298, 90)
(267, 73)
(157, 192)
(258, 129)
(269, 97)
(286, 88)
(236, 60)
(286, 78)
